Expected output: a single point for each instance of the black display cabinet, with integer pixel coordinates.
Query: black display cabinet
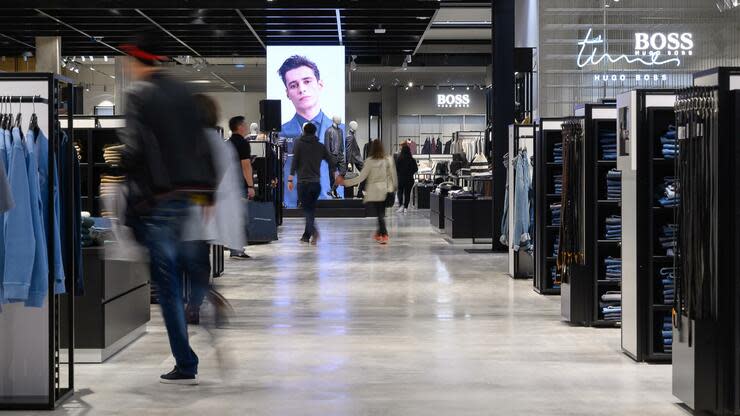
(548, 167)
(581, 295)
(645, 118)
(706, 346)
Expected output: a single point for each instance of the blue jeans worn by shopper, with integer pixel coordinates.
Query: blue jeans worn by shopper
(160, 232)
(194, 258)
(308, 194)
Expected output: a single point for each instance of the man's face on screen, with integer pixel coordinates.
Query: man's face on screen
(303, 89)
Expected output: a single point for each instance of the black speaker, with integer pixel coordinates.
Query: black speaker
(270, 115)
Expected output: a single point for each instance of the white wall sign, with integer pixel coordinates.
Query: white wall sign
(651, 49)
(453, 100)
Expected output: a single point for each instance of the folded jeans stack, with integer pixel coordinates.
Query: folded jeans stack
(555, 212)
(608, 144)
(613, 228)
(556, 246)
(557, 152)
(612, 312)
(554, 277)
(667, 281)
(611, 305)
(667, 238)
(667, 196)
(667, 334)
(557, 181)
(669, 143)
(614, 184)
(613, 267)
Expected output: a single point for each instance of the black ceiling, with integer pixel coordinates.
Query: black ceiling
(215, 27)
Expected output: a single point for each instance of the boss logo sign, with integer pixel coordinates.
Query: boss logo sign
(651, 49)
(453, 100)
(669, 43)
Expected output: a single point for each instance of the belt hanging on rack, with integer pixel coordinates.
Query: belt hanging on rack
(571, 247)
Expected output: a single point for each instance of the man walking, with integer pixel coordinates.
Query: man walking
(308, 153)
(239, 131)
(169, 168)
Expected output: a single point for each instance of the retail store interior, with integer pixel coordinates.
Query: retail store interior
(561, 239)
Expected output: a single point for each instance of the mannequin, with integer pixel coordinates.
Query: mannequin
(354, 157)
(254, 130)
(334, 142)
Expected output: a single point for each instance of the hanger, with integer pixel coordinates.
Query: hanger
(34, 124)
(3, 114)
(18, 116)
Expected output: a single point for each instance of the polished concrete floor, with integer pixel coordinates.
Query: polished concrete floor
(418, 327)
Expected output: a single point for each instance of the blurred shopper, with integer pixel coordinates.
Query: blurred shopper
(239, 132)
(380, 173)
(169, 168)
(223, 225)
(308, 153)
(406, 167)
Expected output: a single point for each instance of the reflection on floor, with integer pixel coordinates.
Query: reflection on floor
(418, 327)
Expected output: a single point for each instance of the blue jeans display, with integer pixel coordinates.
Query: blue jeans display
(557, 181)
(613, 228)
(669, 143)
(554, 279)
(308, 195)
(557, 152)
(608, 144)
(613, 268)
(667, 238)
(614, 184)
(555, 213)
(666, 192)
(667, 334)
(160, 232)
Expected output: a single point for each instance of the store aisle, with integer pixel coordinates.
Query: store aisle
(418, 327)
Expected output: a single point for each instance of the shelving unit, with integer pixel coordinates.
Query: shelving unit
(92, 134)
(580, 297)
(548, 135)
(643, 117)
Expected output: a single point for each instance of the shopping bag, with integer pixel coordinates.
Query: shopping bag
(261, 225)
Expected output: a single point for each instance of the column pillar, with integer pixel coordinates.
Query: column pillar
(503, 103)
(123, 80)
(48, 54)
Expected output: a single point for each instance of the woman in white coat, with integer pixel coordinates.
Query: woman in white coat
(381, 182)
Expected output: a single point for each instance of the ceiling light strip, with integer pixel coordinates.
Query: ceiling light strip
(339, 26)
(167, 32)
(16, 40)
(78, 31)
(246, 22)
(423, 35)
(224, 81)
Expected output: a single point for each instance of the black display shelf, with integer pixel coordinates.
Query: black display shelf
(548, 134)
(581, 294)
(92, 165)
(645, 167)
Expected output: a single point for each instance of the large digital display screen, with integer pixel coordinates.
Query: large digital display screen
(309, 82)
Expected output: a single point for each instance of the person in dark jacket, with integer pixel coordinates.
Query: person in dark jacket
(169, 168)
(308, 153)
(406, 167)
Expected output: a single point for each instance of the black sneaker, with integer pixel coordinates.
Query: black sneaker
(305, 240)
(242, 256)
(176, 377)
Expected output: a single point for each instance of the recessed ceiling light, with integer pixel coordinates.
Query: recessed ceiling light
(422, 18)
(200, 81)
(240, 66)
(380, 31)
(411, 83)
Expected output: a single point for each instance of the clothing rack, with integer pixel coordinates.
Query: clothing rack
(548, 165)
(42, 379)
(521, 143)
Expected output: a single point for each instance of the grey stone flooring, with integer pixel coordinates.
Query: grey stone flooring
(418, 327)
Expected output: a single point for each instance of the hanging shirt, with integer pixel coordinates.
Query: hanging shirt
(20, 239)
(39, 145)
(39, 284)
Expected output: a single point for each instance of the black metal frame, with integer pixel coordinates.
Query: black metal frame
(545, 167)
(56, 394)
